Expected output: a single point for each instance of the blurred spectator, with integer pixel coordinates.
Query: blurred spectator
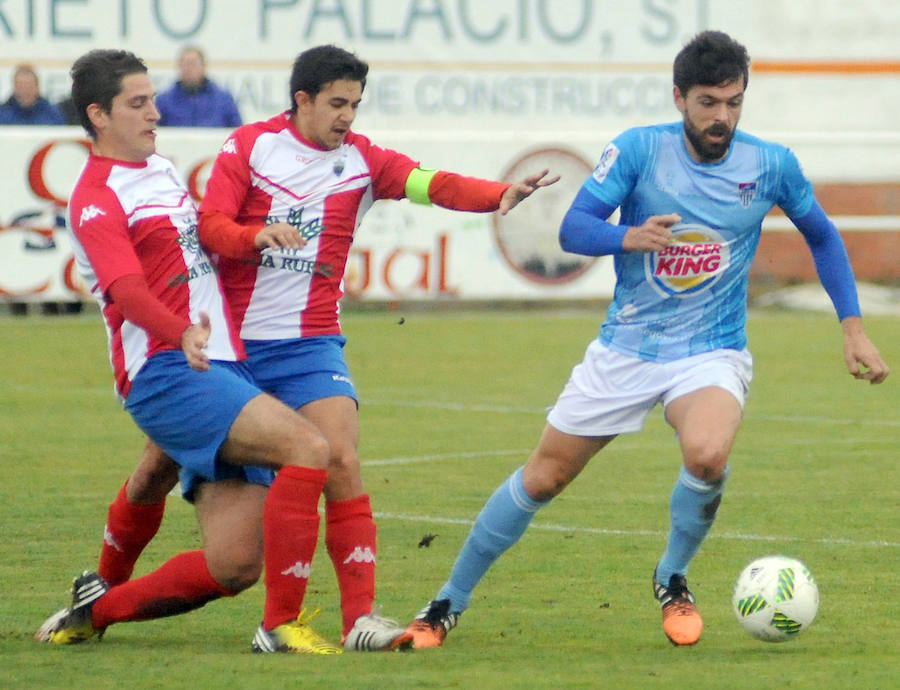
(26, 106)
(194, 100)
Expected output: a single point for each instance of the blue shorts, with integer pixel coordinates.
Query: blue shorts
(300, 370)
(189, 413)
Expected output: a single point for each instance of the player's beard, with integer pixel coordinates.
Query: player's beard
(708, 151)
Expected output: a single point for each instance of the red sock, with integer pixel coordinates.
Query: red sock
(290, 532)
(129, 528)
(350, 538)
(181, 584)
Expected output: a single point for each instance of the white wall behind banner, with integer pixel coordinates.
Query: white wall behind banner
(504, 64)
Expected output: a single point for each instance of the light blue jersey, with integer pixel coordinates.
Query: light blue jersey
(690, 297)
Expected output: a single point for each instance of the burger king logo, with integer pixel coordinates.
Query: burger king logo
(692, 263)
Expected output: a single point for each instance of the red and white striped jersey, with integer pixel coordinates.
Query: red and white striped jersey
(138, 219)
(267, 172)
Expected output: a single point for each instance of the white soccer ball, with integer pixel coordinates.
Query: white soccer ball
(775, 598)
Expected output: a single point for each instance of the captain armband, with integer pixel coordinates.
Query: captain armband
(417, 185)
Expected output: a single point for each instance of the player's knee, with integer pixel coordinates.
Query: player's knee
(706, 464)
(548, 481)
(301, 444)
(236, 572)
(343, 460)
(311, 449)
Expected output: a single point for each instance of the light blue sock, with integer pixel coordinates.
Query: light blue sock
(693, 509)
(501, 522)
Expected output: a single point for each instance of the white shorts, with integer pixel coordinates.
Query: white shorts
(610, 393)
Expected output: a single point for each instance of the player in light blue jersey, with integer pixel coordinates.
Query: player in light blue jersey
(692, 196)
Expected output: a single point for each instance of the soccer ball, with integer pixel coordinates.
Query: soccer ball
(775, 598)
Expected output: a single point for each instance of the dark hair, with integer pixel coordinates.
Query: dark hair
(97, 78)
(319, 66)
(711, 58)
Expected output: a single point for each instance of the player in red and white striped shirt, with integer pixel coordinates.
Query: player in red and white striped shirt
(178, 369)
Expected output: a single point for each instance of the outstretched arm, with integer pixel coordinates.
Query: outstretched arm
(461, 193)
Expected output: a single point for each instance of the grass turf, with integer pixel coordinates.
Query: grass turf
(451, 403)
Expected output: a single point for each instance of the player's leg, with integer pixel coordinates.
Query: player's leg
(311, 376)
(607, 394)
(230, 517)
(706, 422)
(705, 409)
(136, 513)
(558, 459)
(268, 433)
(350, 531)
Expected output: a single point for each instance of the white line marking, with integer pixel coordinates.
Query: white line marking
(467, 407)
(824, 420)
(640, 533)
(456, 407)
(445, 456)
(464, 407)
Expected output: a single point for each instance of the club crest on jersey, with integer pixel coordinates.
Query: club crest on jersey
(746, 193)
(694, 263)
(338, 166)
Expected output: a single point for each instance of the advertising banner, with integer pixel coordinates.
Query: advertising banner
(402, 250)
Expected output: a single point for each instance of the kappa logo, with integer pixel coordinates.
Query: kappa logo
(299, 570)
(361, 554)
(228, 146)
(109, 539)
(90, 212)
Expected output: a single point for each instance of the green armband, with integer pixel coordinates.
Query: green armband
(417, 185)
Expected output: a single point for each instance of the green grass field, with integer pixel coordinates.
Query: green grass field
(451, 404)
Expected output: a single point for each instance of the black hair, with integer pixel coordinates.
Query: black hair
(712, 58)
(316, 67)
(97, 78)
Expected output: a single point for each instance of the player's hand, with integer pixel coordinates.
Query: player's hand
(862, 357)
(524, 189)
(279, 236)
(193, 342)
(652, 236)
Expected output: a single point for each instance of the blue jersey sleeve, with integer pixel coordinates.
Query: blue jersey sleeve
(794, 192)
(830, 257)
(584, 229)
(619, 168)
